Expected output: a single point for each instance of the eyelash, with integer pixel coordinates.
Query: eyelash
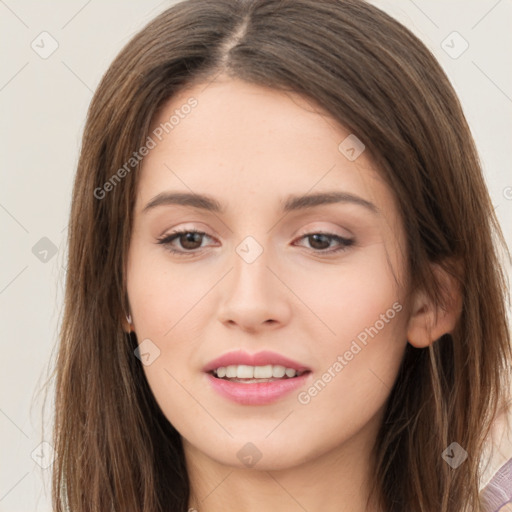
(167, 239)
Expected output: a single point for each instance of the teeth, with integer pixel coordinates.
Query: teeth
(243, 371)
(262, 372)
(231, 371)
(279, 371)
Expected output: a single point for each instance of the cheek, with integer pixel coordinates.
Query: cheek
(348, 300)
(361, 338)
(162, 295)
(168, 306)
(166, 309)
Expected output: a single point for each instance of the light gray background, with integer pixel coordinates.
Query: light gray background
(43, 104)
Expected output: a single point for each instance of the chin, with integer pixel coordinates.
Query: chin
(257, 455)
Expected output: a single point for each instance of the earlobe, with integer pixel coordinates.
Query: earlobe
(428, 321)
(127, 324)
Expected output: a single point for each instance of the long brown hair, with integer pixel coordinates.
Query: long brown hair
(116, 450)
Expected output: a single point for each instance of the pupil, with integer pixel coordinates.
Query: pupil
(316, 239)
(191, 238)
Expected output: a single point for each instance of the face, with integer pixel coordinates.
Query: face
(272, 281)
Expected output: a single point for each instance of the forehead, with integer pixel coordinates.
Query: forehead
(247, 118)
(233, 136)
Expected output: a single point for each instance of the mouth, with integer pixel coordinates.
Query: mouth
(247, 374)
(255, 379)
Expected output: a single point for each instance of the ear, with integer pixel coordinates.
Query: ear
(126, 322)
(428, 322)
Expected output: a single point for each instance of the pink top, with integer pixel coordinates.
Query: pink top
(498, 492)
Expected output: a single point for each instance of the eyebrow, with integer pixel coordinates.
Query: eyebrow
(292, 203)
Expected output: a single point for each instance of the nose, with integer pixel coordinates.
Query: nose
(254, 297)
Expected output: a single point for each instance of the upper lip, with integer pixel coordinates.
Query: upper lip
(259, 359)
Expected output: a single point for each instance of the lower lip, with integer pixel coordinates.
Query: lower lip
(256, 393)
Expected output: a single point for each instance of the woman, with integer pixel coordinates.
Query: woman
(283, 283)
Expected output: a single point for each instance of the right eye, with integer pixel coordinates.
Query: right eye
(188, 239)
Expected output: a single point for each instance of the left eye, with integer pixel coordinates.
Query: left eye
(321, 239)
(191, 240)
(188, 240)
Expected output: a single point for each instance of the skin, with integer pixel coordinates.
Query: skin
(249, 147)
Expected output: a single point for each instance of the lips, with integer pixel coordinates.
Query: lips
(264, 358)
(255, 379)
(259, 393)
